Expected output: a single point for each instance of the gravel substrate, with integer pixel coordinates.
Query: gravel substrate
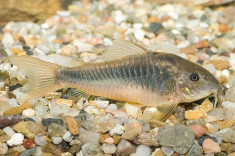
(60, 124)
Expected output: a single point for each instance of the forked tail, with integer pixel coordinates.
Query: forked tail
(41, 74)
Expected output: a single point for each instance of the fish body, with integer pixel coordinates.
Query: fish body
(130, 73)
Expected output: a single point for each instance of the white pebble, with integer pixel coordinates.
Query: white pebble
(113, 107)
(67, 136)
(7, 40)
(228, 104)
(225, 72)
(143, 150)
(9, 131)
(63, 13)
(232, 59)
(56, 140)
(12, 102)
(109, 148)
(29, 112)
(118, 129)
(131, 110)
(139, 34)
(102, 104)
(16, 139)
(168, 151)
(40, 140)
(183, 44)
(92, 110)
(119, 17)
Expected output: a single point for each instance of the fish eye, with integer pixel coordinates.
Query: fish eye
(194, 77)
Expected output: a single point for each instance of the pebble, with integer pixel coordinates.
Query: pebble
(179, 137)
(29, 143)
(67, 136)
(56, 140)
(228, 104)
(8, 131)
(132, 130)
(125, 148)
(139, 34)
(148, 139)
(201, 122)
(168, 151)
(92, 110)
(195, 114)
(3, 148)
(158, 152)
(143, 150)
(16, 139)
(229, 136)
(109, 148)
(216, 113)
(198, 130)
(195, 150)
(28, 152)
(29, 128)
(17, 109)
(155, 27)
(72, 125)
(220, 64)
(206, 105)
(40, 140)
(202, 44)
(225, 124)
(117, 129)
(102, 104)
(47, 121)
(201, 139)
(64, 101)
(131, 110)
(209, 146)
(88, 137)
(103, 123)
(56, 130)
(7, 40)
(29, 112)
(90, 149)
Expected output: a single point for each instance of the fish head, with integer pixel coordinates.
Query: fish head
(195, 82)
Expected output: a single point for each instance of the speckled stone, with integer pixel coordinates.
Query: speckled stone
(179, 137)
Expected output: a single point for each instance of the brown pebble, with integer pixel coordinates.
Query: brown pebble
(29, 143)
(18, 51)
(224, 28)
(189, 50)
(225, 124)
(103, 137)
(226, 147)
(117, 139)
(202, 44)
(17, 109)
(72, 125)
(153, 18)
(220, 64)
(223, 79)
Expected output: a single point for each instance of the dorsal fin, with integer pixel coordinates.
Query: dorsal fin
(122, 48)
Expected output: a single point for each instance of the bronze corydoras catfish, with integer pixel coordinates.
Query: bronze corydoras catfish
(130, 73)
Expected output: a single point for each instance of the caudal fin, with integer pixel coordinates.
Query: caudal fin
(41, 74)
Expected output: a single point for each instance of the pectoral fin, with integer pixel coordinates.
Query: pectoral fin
(159, 113)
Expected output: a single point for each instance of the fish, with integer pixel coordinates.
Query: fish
(129, 73)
